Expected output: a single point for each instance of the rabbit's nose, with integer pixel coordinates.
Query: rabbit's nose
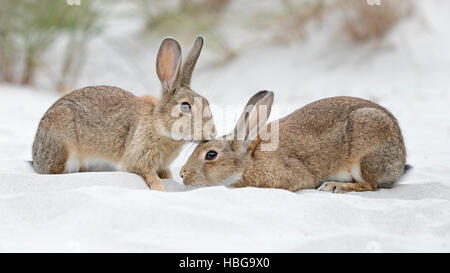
(182, 173)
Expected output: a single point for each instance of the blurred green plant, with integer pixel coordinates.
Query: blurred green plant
(192, 15)
(29, 28)
(186, 19)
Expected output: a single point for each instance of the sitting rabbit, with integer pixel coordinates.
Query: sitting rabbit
(108, 124)
(338, 144)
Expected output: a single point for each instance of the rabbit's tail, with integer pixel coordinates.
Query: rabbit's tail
(389, 183)
(407, 168)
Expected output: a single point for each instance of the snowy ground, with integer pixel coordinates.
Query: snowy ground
(408, 73)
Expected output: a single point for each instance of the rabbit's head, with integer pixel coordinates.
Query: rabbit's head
(223, 160)
(181, 113)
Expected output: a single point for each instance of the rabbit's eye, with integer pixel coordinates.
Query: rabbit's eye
(185, 107)
(210, 155)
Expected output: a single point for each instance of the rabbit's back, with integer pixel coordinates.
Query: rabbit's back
(92, 121)
(322, 125)
(319, 116)
(102, 116)
(330, 137)
(105, 116)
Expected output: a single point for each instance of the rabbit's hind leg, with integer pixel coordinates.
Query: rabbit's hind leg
(51, 159)
(51, 151)
(342, 187)
(377, 142)
(362, 180)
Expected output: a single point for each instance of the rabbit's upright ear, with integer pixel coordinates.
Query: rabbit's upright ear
(168, 64)
(253, 118)
(190, 61)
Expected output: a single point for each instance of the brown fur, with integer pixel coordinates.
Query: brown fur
(110, 123)
(315, 142)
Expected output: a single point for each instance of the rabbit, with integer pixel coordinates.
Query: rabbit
(105, 124)
(339, 144)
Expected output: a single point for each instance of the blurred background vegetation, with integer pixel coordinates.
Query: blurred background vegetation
(30, 30)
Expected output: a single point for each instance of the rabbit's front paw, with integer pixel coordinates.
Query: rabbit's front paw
(157, 187)
(331, 187)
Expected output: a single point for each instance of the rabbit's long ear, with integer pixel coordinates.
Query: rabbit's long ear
(253, 118)
(168, 64)
(190, 61)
